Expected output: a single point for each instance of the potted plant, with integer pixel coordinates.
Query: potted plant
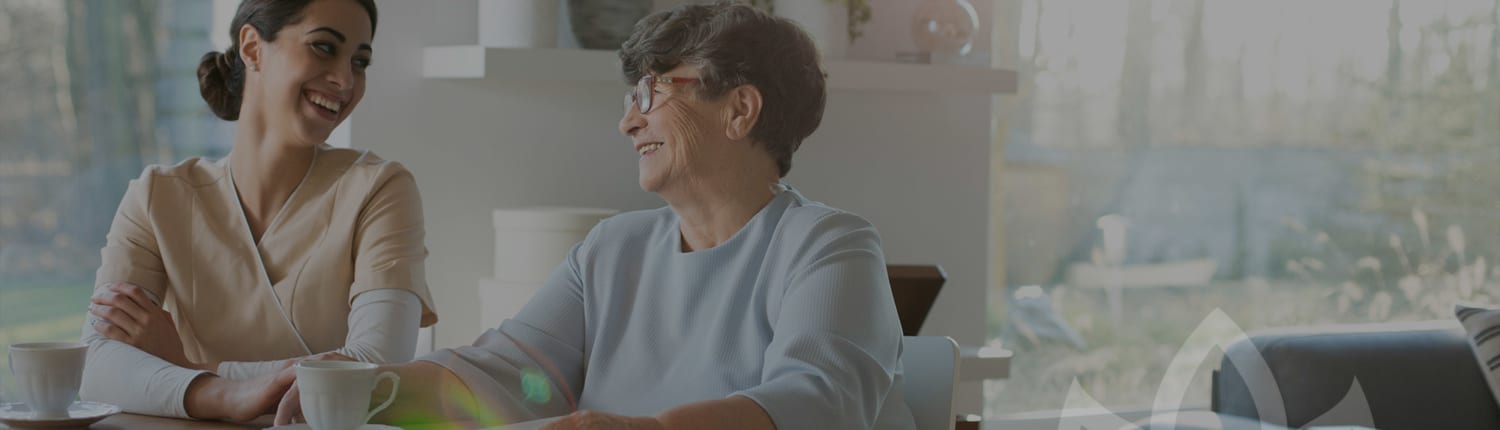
(605, 24)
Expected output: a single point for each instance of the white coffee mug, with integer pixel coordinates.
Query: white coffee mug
(336, 394)
(48, 374)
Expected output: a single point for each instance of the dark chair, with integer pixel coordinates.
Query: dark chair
(915, 288)
(1413, 375)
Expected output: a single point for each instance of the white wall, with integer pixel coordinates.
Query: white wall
(476, 145)
(916, 165)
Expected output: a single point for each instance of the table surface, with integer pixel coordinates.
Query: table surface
(975, 364)
(133, 421)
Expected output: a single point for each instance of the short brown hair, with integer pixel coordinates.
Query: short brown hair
(734, 44)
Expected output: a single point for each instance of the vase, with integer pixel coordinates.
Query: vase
(605, 24)
(945, 27)
(827, 22)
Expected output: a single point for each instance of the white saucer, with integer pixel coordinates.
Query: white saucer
(304, 426)
(80, 414)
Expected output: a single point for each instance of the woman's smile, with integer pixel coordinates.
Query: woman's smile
(646, 149)
(326, 106)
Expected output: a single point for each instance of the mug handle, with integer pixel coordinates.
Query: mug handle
(395, 386)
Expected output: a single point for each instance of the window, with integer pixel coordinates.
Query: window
(93, 92)
(1287, 162)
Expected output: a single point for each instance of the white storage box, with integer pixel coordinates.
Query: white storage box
(531, 242)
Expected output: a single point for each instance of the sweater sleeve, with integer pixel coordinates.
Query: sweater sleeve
(532, 366)
(834, 352)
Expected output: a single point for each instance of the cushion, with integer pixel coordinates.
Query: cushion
(1483, 328)
(1201, 420)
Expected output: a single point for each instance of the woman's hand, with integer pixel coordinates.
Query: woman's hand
(257, 397)
(128, 315)
(289, 410)
(211, 397)
(591, 420)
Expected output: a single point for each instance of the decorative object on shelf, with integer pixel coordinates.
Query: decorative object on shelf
(605, 24)
(518, 23)
(833, 24)
(945, 27)
(582, 66)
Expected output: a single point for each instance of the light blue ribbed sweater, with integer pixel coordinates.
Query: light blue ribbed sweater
(793, 312)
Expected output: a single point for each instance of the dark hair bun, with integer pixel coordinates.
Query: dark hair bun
(221, 80)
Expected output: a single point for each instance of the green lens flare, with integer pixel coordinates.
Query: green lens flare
(535, 386)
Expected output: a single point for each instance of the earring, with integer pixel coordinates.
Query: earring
(255, 67)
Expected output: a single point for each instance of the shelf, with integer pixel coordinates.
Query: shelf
(516, 64)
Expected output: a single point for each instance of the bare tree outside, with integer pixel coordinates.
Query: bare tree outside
(94, 91)
(1289, 162)
(1134, 103)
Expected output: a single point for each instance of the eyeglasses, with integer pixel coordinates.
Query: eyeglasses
(643, 95)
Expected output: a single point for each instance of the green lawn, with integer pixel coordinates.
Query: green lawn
(38, 312)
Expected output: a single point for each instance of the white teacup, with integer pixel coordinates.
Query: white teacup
(336, 394)
(48, 374)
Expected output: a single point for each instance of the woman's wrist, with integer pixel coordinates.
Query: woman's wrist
(205, 399)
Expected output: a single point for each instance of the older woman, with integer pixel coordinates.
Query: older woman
(741, 304)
